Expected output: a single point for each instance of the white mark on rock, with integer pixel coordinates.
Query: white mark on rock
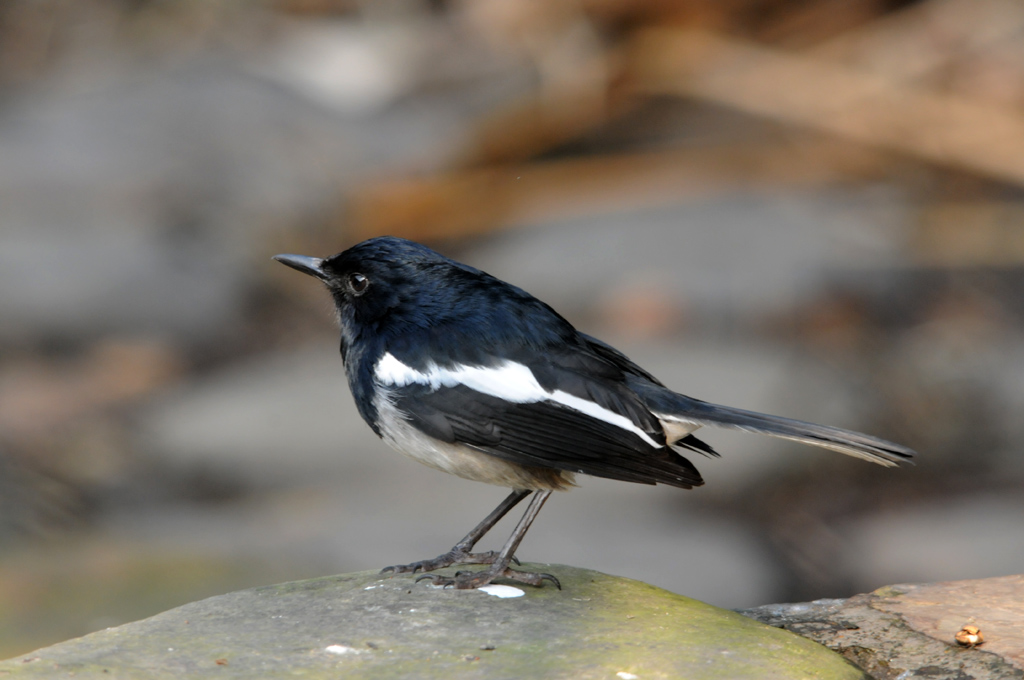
(627, 676)
(501, 591)
(342, 649)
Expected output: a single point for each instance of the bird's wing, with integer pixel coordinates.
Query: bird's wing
(563, 411)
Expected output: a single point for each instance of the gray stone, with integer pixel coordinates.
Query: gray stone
(366, 625)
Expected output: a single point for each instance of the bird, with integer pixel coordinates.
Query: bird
(474, 376)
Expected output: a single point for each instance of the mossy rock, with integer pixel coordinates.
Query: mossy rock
(368, 625)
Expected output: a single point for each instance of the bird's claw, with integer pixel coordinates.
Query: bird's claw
(436, 579)
(467, 580)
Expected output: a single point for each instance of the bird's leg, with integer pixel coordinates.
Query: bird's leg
(499, 566)
(460, 553)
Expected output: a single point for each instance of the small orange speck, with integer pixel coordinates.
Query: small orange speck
(969, 636)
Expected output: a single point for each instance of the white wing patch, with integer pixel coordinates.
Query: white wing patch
(391, 371)
(600, 412)
(508, 380)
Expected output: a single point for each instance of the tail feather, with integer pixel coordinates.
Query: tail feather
(673, 407)
(693, 444)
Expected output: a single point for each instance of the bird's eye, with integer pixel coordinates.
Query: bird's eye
(358, 283)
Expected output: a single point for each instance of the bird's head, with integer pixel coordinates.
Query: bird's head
(385, 278)
(398, 294)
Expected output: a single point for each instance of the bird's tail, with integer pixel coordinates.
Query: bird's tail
(678, 408)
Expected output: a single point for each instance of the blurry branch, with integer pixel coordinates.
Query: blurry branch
(970, 234)
(38, 399)
(573, 66)
(853, 104)
(535, 125)
(926, 37)
(885, 85)
(476, 201)
(796, 25)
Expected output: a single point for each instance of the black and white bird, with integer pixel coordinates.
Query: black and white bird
(473, 376)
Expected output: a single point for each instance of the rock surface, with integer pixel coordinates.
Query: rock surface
(366, 625)
(907, 631)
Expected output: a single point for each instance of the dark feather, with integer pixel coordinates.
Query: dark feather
(692, 443)
(542, 434)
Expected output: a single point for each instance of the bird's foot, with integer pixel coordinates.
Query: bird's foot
(453, 556)
(466, 580)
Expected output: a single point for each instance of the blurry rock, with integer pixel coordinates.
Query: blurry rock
(732, 256)
(31, 503)
(972, 536)
(145, 197)
(69, 282)
(270, 420)
(352, 66)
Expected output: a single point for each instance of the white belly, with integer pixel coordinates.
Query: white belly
(461, 460)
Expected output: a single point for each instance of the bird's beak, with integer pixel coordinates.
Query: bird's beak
(306, 265)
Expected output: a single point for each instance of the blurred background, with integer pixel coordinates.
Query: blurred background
(807, 207)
